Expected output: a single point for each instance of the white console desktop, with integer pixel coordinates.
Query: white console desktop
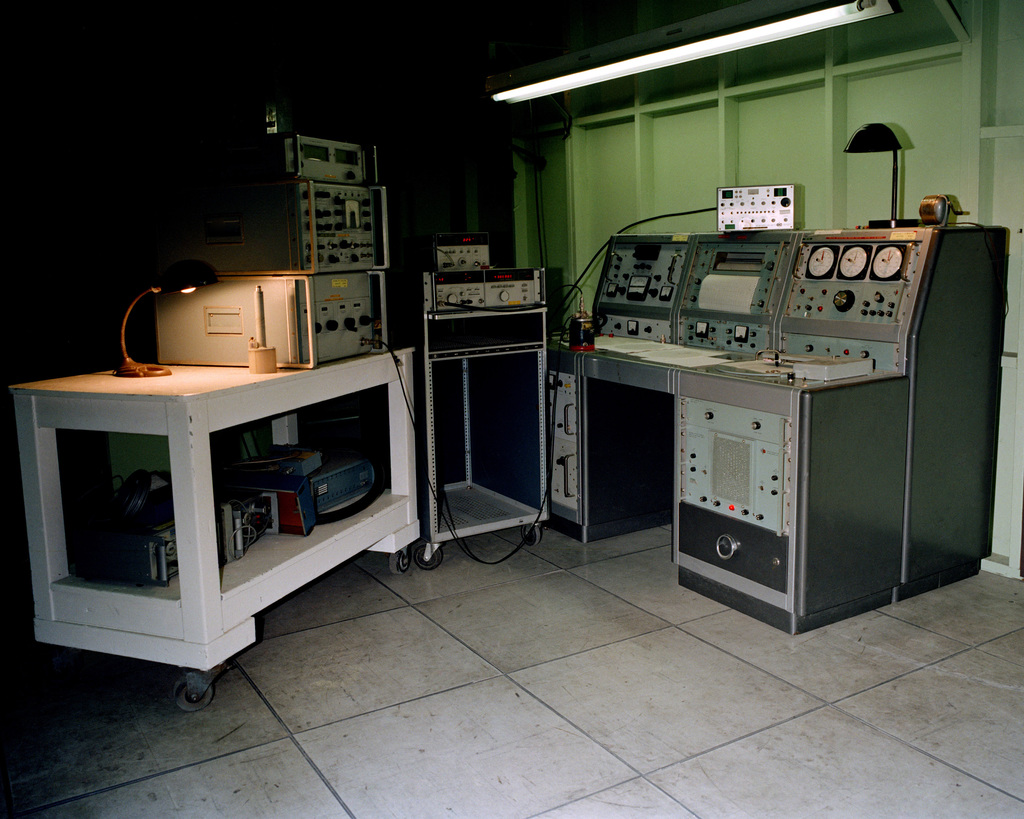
(206, 614)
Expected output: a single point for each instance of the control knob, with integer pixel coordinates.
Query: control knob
(726, 546)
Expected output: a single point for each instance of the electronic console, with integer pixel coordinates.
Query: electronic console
(816, 475)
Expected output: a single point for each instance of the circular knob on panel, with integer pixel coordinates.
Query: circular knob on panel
(755, 425)
(709, 415)
(726, 546)
(332, 325)
(843, 300)
(503, 295)
(350, 323)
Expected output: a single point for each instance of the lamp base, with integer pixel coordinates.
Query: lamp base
(892, 223)
(132, 369)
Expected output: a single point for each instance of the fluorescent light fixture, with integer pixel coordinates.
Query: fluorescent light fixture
(780, 29)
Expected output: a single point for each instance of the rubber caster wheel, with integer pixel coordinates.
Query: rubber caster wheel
(420, 556)
(191, 702)
(531, 534)
(399, 561)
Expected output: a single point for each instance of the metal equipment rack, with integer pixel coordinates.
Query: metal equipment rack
(483, 438)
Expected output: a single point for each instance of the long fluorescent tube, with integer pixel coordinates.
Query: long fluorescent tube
(759, 35)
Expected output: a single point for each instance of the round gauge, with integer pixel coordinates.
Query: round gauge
(819, 265)
(887, 263)
(854, 263)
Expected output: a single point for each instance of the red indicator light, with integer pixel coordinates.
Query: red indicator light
(732, 507)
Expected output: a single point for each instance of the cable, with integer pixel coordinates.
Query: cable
(576, 284)
(132, 495)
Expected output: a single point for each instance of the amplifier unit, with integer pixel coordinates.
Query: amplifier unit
(491, 289)
(294, 156)
(461, 251)
(293, 226)
(308, 320)
(324, 159)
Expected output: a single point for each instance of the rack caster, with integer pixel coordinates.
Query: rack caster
(193, 690)
(399, 561)
(428, 560)
(531, 533)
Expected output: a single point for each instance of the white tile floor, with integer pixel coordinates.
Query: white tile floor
(569, 681)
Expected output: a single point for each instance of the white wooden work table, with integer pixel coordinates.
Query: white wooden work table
(206, 614)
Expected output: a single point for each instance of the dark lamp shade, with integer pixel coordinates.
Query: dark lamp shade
(871, 138)
(185, 275)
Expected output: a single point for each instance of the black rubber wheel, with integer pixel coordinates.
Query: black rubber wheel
(531, 534)
(399, 561)
(190, 703)
(419, 555)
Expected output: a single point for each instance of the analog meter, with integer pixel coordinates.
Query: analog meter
(887, 263)
(854, 263)
(819, 265)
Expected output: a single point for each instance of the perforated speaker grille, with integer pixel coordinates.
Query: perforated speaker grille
(730, 470)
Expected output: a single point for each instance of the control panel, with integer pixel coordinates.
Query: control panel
(851, 294)
(765, 207)
(301, 226)
(342, 315)
(490, 289)
(563, 391)
(732, 290)
(461, 251)
(640, 285)
(340, 227)
(733, 462)
(324, 159)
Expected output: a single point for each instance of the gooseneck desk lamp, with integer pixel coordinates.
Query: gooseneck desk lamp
(181, 277)
(873, 138)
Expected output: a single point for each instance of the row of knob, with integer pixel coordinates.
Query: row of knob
(350, 323)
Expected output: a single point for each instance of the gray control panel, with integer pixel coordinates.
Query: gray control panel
(641, 284)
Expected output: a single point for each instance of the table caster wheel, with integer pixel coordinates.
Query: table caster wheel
(399, 561)
(531, 534)
(190, 701)
(420, 556)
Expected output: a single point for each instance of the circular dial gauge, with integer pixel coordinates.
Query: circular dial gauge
(854, 263)
(887, 263)
(819, 265)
